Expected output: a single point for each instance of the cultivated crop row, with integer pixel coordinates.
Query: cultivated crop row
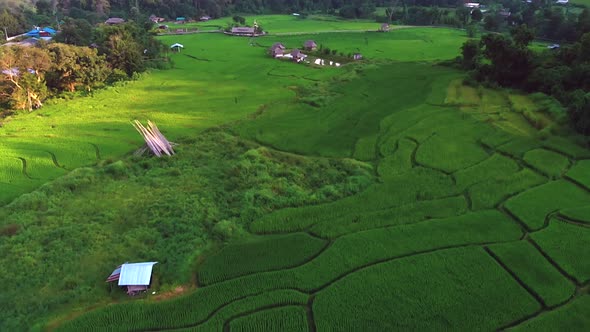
(261, 254)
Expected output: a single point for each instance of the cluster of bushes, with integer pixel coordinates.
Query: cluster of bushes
(509, 62)
(32, 74)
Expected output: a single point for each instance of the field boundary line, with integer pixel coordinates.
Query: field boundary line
(214, 312)
(253, 311)
(522, 284)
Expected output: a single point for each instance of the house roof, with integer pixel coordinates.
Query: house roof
(297, 53)
(242, 30)
(177, 45)
(133, 274)
(114, 20)
(50, 30)
(385, 25)
(180, 18)
(309, 43)
(278, 45)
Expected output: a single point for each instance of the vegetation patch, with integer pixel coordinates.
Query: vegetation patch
(580, 172)
(534, 206)
(290, 318)
(496, 166)
(491, 192)
(548, 162)
(567, 245)
(392, 295)
(529, 265)
(572, 316)
(257, 255)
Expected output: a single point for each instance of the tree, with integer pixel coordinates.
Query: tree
(476, 15)
(76, 32)
(75, 66)
(491, 23)
(510, 64)
(579, 111)
(471, 30)
(239, 20)
(390, 9)
(22, 84)
(462, 14)
(522, 35)
(470, 51)
(11, 22)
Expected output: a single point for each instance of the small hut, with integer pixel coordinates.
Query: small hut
(136, 277)
(176, 47)
(276, 49)
(357, 56)
(310, 45)
(384, 27)
(243, 31)
(114, 21)
(297, 55)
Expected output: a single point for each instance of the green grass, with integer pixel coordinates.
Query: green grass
(400, 161)
(405, 214)
(519, 146)
(569, 147)
(402, 295)
(201, 317)
(568, 245)
(548, 162)
(492, 192)
(533, 206)
(496, 166)
(450, 155)
(280, 319)
(574, 316)
(535, 271)
(264, 254)
(399, 168)
(580, 172)
(419, 182)
(581, 214)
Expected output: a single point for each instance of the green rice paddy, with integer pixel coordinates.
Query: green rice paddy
(380, 195)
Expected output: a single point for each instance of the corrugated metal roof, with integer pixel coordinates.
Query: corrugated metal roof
(136, 273)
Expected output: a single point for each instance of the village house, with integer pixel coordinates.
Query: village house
(472, 5)
(44, 33)
(310, 45)
(181, 20)
(136, 277)
(357, 56)
(243, 31)
(114, 20)
(277, 49)
(297, 55)
(156, 19)
(204, 18)
(505, 13)
(384, 27)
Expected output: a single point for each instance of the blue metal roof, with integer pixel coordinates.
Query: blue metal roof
(136, 274)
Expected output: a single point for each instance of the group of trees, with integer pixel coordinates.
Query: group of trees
(28, 75)
(563, 73)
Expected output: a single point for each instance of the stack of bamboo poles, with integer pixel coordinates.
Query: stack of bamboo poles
(154, 140)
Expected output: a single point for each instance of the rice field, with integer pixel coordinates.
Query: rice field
(381, 195)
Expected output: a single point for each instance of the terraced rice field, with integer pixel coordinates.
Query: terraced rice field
(474, 220)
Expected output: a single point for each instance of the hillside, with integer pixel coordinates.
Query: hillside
(384, 194)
